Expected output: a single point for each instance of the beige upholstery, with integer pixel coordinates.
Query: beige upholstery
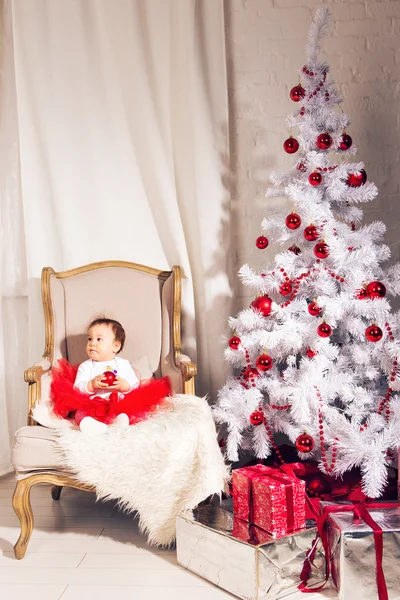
(147, 303)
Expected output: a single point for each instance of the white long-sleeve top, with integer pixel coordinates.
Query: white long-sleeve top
(90, 368)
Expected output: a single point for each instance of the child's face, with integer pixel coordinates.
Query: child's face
(101, 343)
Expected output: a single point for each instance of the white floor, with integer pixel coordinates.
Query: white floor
(82, 550)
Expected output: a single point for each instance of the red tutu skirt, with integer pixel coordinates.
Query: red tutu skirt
(69, 403)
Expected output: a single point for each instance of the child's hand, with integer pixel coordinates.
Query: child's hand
(120, 385)
(97, 383)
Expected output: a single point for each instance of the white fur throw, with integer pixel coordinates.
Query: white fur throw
(158, 467)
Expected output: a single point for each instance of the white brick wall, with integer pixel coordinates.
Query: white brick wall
(266, 46)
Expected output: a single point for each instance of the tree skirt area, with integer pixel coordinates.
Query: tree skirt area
(159, 467)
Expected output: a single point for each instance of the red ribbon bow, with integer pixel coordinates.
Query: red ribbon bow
(360, 510)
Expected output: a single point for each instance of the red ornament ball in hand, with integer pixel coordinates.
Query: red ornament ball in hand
(286, 289)
(314, 309)
(324, 141)
(315, 178)
(262, 242)
(264, 362)
(345, 142)
(356, 179)
(373, 333)
(297, 93)
(324, 330)
(304, 443)
(263, 304)
(291, 145)
(311, 233)
(250, 373)
(294, 249)
(256, 417)
(311, 353)
(234, 342)
(293, 221)
(109, 376)
(321, 250)
(376, 289)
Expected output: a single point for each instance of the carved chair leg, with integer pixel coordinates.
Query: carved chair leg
(56, 492)
(22, 507)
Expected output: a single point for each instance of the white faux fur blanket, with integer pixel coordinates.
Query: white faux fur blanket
(158, 467)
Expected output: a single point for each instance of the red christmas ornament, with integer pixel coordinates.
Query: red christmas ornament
(316, 486)
(314, 309)
(315, 178)
(291, 145)
(356, 179)
(294, 249)
(109, 376)
(263, 304)
(304, 443)
(324, 330)
(264, 362)
(324, 141)
(311, 353)
(362, 293)
(311, 233)
(234, 342)
(321, 250)
(373, 333)
(262, 242)
(297, 93)
(301, 167)
(293, 221)
(345, 142)
(251, 372)
(285, 289)
(256, 417)
(376, 289)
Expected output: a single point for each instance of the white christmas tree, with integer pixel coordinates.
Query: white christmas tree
(315, 354)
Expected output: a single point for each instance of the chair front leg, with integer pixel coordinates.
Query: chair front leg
(22, 507)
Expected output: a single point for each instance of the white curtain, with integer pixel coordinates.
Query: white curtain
(119, 125)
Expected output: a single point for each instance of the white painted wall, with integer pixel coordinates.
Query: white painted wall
(266, 46)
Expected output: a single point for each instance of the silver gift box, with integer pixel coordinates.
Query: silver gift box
(214, 545)
(352, 548)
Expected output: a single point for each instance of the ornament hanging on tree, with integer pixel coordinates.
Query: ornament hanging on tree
(262, 242)
(315, 178)
(297, 93)
(324, 141)
(294, 249)
(345, 141)
(311, 353)
(285, 289)
(314, 309)
(263, 304)
(321, 250)
(376, 289)
(356, 179)
(362, 293)
(301, 167)
(291, 145)
(256, 417)
(234, 342)
(293, 221)
(324, 330)
(316, 486)
(373, 333)
(250, 373)
(304, 443)
(264, 362)
(311, 233)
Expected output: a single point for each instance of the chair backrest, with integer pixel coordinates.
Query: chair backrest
(146, 301)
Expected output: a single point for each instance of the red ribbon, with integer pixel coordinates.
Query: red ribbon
(360, 510)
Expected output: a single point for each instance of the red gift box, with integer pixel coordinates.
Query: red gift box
(271, 498)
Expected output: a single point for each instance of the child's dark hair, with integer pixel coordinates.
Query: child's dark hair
(118, 330)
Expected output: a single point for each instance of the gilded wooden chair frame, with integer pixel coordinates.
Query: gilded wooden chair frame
(21, 498)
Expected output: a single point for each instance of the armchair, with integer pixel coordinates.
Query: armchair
(148, 304)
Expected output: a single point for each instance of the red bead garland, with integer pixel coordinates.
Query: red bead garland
(271, 439)
(328, 468)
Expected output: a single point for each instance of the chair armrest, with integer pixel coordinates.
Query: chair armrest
(186, 366)
(34, 373)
